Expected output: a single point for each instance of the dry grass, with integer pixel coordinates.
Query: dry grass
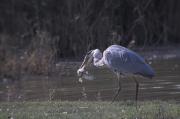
(37, 58)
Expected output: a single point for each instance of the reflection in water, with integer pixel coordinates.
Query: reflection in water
(51, 94)
(177, 86)
(157, 87)
(83, 92)
(165, 86)
(98, 96)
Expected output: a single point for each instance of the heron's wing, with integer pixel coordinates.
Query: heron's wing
(118, 61)
(126, 61)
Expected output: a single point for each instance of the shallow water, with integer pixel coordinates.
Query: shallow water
(164, 86)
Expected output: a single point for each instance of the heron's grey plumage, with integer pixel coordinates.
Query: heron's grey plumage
(124, 61)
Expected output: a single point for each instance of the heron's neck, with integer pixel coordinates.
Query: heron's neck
(98, 62)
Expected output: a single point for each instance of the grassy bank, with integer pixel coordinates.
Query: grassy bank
(90, 110)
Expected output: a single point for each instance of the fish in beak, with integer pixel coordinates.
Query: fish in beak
(87, 60)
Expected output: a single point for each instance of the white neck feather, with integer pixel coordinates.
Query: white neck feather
(98, 62)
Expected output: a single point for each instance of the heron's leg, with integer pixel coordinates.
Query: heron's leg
(119, 87)
(137, 88)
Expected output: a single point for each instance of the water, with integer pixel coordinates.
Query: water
(65, 85)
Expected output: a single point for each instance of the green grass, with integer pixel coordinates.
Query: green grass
(90, 110)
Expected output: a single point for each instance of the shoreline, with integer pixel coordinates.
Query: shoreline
(90, 110)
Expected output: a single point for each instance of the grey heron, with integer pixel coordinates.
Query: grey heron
(122, 61)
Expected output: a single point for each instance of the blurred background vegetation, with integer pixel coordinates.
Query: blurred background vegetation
(35, 33)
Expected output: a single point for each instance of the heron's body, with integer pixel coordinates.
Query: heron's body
(121, 61)
(125, 61)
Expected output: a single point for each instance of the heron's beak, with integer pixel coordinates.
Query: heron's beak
(86, 61)
(87, 58)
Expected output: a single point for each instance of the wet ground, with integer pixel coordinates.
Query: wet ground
(65, 86)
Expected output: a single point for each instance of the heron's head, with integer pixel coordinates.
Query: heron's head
(91, 56)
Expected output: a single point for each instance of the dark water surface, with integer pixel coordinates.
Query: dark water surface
(165, 86)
